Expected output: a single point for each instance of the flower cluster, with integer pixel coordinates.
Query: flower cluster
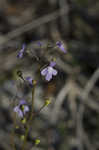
(49, 71)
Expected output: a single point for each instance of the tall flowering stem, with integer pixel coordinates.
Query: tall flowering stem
(31, 115)
(13, 132)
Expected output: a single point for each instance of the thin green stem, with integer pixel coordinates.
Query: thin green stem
(13, 132)
(25, 138)
(29, 121)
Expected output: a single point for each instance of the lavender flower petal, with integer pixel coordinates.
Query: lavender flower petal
(20, 55)
(52, 63)
(23, 46)
(48, 76)
(26, 109)
(20, 113)
(18, 110)
(22, 102)
(44, 71)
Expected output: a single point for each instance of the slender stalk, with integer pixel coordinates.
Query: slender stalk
(12, 140)
(29, 121)
(13, 133)
(25, 138)
(33, 90)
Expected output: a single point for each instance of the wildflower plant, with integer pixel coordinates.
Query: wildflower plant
(24, 111)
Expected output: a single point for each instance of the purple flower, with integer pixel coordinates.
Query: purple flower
(49, 71)
(30, 80)
(21, 109)
(61, 46)
(20, 53)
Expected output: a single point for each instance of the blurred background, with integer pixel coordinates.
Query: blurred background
(71, 121)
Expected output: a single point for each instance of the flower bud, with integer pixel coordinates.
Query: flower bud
(37, 141)
(22, 137)
(23, 120)
(47, 102)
